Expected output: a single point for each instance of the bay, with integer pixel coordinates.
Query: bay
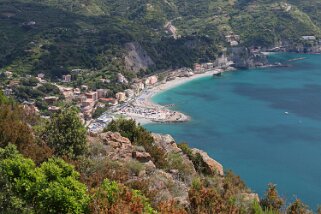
(263, 124)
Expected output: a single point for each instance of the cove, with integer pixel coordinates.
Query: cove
(263, 124)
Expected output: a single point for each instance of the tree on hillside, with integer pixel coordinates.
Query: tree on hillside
(298, 207)
(112, 197)
(66, 134)
(139, 136)
(272, 200)
(15, 128)
(52, 187)
(3, 99)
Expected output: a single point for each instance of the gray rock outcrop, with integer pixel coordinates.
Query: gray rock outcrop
(137, 58)
(212, 164)
(243, 58)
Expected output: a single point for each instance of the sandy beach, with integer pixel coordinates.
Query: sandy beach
(143, 110)
(163, 114)
(151, 92)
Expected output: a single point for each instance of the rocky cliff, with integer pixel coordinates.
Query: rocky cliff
(244, 58)
(137, 58)
(169, 184)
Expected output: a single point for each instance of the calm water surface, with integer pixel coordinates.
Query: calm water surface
(240, 120)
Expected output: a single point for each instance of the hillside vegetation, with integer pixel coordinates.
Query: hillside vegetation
(52, 166)
(55, 36)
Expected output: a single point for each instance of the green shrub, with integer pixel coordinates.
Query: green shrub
(140, 137)
(66, 134)
(52, 187)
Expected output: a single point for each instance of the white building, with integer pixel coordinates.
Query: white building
(121, 96)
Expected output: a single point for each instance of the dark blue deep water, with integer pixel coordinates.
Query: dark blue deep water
(240, 120)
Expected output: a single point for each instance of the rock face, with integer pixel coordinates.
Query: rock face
(119, 148)
(243, 58)
(212, 164)
(172, 183)
(250, 197)
(142, 156)
(166, 142)
(137, 58)
(167, 188)
(115, 140)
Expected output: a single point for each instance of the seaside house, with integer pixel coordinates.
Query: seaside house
(171, 29)
(53, 109)
(197, 67)
(101, 93)
(120, 96)
(233, 39)
(51, 99)
(151, 80)
(41, 75)
(68, 92)
(88, 102)
(66, 78)
(92, 95)
(208, 65)
(7, 91)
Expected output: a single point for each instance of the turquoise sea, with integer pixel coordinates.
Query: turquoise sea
(241, 120)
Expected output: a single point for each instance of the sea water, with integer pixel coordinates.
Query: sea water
(263, 124)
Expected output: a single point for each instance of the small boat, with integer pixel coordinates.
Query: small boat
(286, 113)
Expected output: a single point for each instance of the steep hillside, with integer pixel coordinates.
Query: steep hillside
(55, 36)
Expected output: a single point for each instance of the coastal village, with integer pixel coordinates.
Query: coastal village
(98, 106)
(133, 102)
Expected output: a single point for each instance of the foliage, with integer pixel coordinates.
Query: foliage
(297, 207)
(112, 197)
(197, 159)
(52, 187)
(232, 184)
(93, 171)
(93, 34)
(66, 134)
(98, 112)
(170, 207)
(272, 200)
(3, 99)
(209, 200)
(22, 135)
(135, 167)
(139, 136)
(32, 81)
(176, 161)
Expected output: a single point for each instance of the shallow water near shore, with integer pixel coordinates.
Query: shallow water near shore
(264, 124)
